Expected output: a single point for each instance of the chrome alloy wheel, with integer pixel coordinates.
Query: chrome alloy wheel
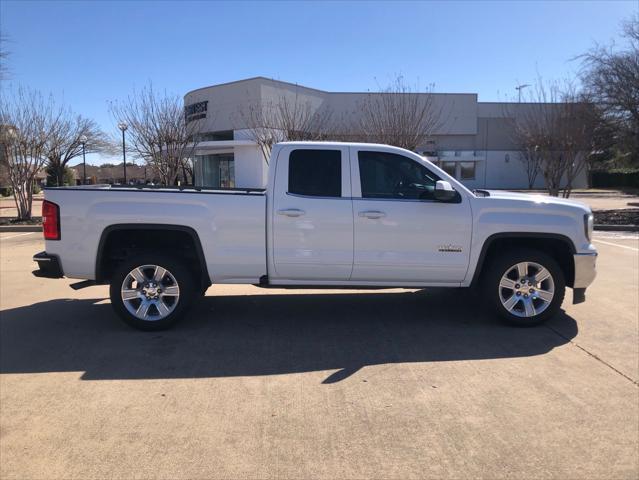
(150, 292)
(526, 289)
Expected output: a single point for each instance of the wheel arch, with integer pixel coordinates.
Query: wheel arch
(127, 231)
(560, 247)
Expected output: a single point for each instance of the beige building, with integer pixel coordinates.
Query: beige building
(473, 142)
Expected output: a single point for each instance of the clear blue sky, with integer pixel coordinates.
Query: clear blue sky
(93, 52)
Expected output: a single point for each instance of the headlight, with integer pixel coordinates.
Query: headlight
(588, 225)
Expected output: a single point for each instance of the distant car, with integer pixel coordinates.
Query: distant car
(334, 214)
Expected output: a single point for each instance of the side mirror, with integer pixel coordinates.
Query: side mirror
(444, 192)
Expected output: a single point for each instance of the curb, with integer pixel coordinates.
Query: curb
(20, 228)
(617, 228)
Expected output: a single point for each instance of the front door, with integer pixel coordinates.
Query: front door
(401, 233)
(312, 214)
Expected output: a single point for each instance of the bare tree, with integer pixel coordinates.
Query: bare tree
(611, 77)
(158, 131)
(28, 121)
(539, 127)
(4, 55)
(259, 120)
(186, 173)
(399, 115)
(554, 130)
(286, 119)
(525, 132)
(603, 132)
(579, 140)
(65, 143)
(532, 161)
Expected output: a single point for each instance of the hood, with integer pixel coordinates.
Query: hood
(537, 198)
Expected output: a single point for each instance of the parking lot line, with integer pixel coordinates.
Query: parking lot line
(617, 245)
(18, 235)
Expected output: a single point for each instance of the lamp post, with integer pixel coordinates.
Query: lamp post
(83, 141)
(123, 126)
(519, 88)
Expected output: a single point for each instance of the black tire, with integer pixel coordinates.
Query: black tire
(176, 268)
(501, 264)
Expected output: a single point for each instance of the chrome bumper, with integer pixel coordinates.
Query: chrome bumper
(585, 273)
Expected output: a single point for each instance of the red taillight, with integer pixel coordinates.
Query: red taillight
(50, 220)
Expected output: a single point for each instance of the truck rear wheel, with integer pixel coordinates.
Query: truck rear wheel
(151, 292)
(526, 287)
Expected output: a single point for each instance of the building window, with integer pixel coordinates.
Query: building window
(467, 170)
(316, 173)
(214, 136)
(449, 168)
(215, 171)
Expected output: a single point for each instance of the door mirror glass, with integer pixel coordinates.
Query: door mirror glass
(444, 192)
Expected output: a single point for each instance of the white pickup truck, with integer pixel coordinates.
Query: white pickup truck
(344, 215)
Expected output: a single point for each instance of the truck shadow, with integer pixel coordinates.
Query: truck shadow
(267, 334)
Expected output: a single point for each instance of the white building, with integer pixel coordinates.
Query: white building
(474, 141)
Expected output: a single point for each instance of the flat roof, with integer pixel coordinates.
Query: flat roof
(297, 85)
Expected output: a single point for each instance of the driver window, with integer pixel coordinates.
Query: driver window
(389, 175)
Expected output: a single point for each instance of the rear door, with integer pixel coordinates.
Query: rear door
(312, 230)
(402, 234)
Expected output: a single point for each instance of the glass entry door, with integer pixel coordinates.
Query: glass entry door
(227, 171)
(215, 171)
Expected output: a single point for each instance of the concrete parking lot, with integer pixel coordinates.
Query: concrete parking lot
(306, 384)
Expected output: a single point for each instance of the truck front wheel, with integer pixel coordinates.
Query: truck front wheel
(151, 292)
(525, 286)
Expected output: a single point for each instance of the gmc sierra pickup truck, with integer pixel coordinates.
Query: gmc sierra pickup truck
(343, 215)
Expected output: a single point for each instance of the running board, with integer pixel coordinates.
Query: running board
(264, 283)
(82, 284)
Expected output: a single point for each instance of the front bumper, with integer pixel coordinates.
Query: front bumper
(48, 266)
(585, 273)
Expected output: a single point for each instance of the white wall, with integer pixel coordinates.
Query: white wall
(250, 167)
(228, 101)
(504, 169)
(251, 171)
(512, 174)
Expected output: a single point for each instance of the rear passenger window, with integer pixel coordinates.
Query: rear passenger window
(316, 173)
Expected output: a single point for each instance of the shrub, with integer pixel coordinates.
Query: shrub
(6, 191)
(623, 177)
(52, 179)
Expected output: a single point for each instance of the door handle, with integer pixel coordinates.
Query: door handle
(373, 214)
(291, 212)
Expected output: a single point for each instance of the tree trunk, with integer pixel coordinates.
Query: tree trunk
(59, 174)
(30, 198)
(568, 188)
(22, 201)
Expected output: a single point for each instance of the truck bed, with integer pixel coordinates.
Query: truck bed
(229, 223)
